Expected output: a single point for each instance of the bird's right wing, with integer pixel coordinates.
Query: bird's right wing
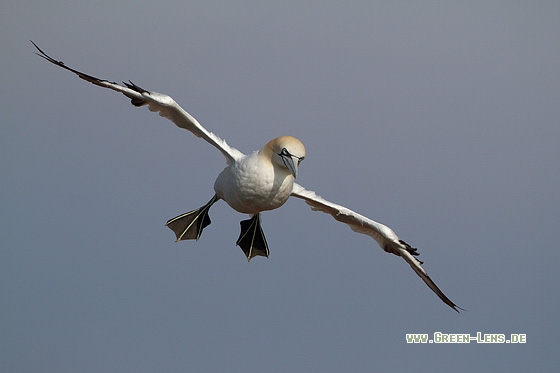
(157, 102)
(382, 234)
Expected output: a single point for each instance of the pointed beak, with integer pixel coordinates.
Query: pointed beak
(291, 163)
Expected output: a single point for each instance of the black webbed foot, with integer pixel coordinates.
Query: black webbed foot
(252, 240)
(189, 226)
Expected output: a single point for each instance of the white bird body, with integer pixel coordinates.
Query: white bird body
(260, 181)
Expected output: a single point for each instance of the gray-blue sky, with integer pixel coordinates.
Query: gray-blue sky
(439, 119)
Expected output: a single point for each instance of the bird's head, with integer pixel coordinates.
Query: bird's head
(287, 152)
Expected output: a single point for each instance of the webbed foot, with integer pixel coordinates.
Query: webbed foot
(189, 226)
(252, 240)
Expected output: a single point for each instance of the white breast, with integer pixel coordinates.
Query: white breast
(253, 184)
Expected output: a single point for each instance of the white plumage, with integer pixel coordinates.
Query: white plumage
(257, 182)
(262, 180)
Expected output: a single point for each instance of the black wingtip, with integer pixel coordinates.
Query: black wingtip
(46, 56)
(134, 100)
(431, 284)
(135, 87)
(411, 250)
(84, 76)
(442, 296)
(36, 46)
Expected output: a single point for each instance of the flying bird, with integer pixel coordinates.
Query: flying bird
(257, 182)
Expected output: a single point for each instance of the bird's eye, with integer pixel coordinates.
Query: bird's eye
(286, 153)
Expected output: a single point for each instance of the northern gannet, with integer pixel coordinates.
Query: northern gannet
(257, 182)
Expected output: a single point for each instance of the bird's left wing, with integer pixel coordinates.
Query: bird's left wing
(157, 102)
(384, 235)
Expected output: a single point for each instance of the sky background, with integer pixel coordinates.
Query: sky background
(438, 119)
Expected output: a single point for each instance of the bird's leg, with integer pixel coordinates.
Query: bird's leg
(252, 240)
(189, 226)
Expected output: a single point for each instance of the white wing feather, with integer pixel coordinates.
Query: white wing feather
(382, 234)
(157, 102)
